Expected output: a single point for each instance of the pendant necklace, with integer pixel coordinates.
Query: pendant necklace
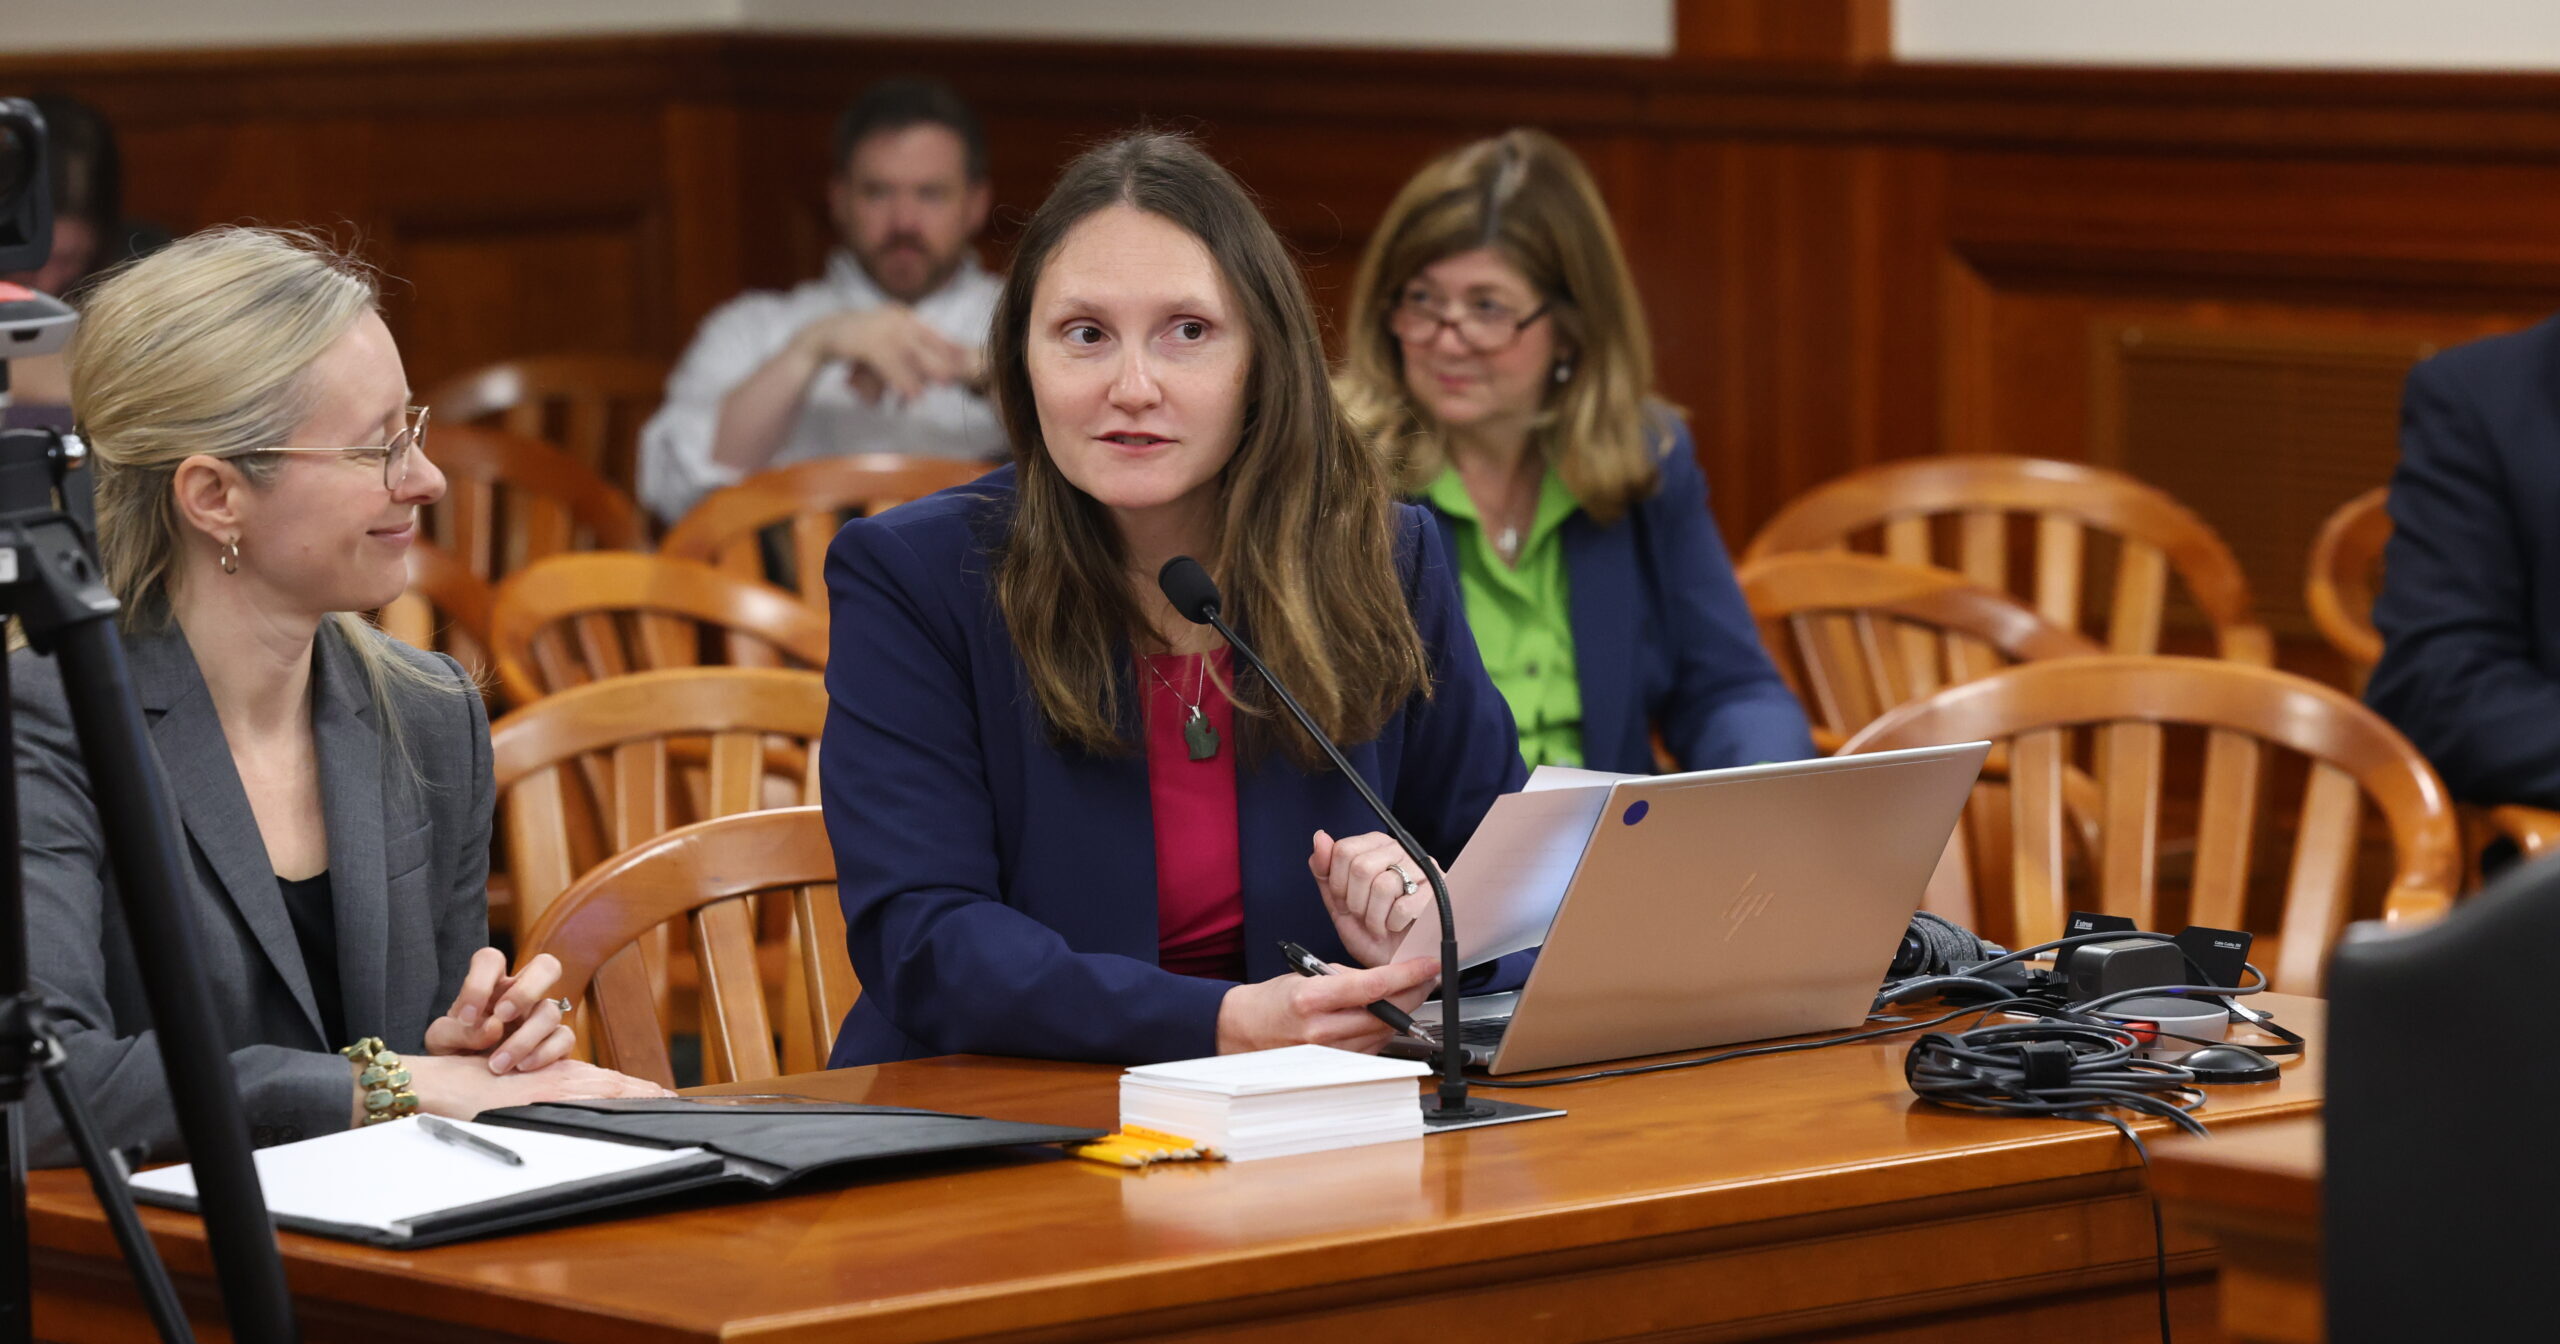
(1198, 734)
(1506, 540)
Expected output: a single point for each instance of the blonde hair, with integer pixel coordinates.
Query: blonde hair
(1526, 196)
(204, 347)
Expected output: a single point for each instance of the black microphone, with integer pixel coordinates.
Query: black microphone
(1194, 596)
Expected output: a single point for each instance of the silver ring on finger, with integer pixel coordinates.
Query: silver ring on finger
(563, 1005)
(1410, 884)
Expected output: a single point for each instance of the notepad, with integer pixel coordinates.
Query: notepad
(395, 1185)
(1274, 1103)
(394, 1182)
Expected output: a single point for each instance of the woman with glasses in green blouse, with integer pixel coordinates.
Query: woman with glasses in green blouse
(1498, 355)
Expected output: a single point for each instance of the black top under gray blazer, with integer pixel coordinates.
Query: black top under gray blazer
(408, 868)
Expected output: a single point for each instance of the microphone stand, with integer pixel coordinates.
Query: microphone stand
(1454, 1108)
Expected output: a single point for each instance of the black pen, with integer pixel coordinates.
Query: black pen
(1307, 963)
(463, 1138)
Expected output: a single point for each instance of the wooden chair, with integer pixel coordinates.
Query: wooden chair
(706, 874)
(602, 768)
(444, 610)
(574, 619)
(810, 499)
(1856, 635)
(592, 405)
(2152, 537)
(2344, 576)
(2350, 753)
(510, 500)
(559, 822)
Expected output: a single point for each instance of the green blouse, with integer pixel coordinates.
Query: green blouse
(1522, 615)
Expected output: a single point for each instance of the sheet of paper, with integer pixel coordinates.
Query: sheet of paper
(1510, 878)
(1570, 777)
(1287, 1068)
(406, 1173)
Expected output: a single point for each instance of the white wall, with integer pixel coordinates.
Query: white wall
(2367, 34)
(1640, 27)
(90, 25)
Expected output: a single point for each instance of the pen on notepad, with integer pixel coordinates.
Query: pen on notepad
(446, 1132)
(1307, 963)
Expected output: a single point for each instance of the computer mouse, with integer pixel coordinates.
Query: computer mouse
(2229, 1064)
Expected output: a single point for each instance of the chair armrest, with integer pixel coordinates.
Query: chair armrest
(2534, 830)
(2413, 903)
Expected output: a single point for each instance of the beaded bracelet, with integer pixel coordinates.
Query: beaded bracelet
(385, 1080)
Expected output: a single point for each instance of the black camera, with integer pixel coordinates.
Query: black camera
(26, 199)
(30, 323)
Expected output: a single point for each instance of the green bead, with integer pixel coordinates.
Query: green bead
(377, 1099)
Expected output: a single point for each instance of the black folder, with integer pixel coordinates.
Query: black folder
(757, 1144)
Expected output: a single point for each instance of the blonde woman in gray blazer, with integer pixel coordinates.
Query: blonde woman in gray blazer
(260, 472)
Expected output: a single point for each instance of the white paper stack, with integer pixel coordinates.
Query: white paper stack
(1272, 1103)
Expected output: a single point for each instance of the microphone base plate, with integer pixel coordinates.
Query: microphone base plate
(1479, 1113)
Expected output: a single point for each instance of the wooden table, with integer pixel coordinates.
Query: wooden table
(1752, 1199)
(2257, 1193)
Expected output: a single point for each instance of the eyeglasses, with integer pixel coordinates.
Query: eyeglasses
(1484, 327)
(396, 455)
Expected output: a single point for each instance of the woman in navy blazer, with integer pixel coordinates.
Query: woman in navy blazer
(1498, 354)
(1018, 715)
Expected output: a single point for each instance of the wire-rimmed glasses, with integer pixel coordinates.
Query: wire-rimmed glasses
(396, 455)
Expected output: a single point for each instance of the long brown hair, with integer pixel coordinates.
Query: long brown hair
(1305, 551)
(1525, 195)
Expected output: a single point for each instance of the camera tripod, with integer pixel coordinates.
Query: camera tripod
(51, 583)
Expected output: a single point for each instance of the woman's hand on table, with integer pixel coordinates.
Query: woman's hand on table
(1330, 1010)
(508, 1020)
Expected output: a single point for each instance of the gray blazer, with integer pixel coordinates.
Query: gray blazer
(408, 870)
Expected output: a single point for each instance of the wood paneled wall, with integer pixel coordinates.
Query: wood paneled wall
(1845, 260)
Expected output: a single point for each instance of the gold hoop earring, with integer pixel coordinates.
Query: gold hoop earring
(231, 556)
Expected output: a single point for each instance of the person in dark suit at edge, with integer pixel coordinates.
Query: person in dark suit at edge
(1065, 824)
(260, 472)
(2470, 604)
(1497, 354)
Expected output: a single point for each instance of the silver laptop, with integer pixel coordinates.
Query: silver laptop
(1728, 905)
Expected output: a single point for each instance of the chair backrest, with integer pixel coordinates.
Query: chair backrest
(2149, 536)
(573, 619)
(2345, 574)
(2350, 755)
(510, 500)
(592, 405)
(1856, 635)
(2430, 1202)
(445, 609)
(708, 875)
(597, 769)
(807, 502)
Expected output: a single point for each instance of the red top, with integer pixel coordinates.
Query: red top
(1199, 861)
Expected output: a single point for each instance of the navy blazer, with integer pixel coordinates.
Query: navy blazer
(1661, 638)
(2470, 603)
(999, 892)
